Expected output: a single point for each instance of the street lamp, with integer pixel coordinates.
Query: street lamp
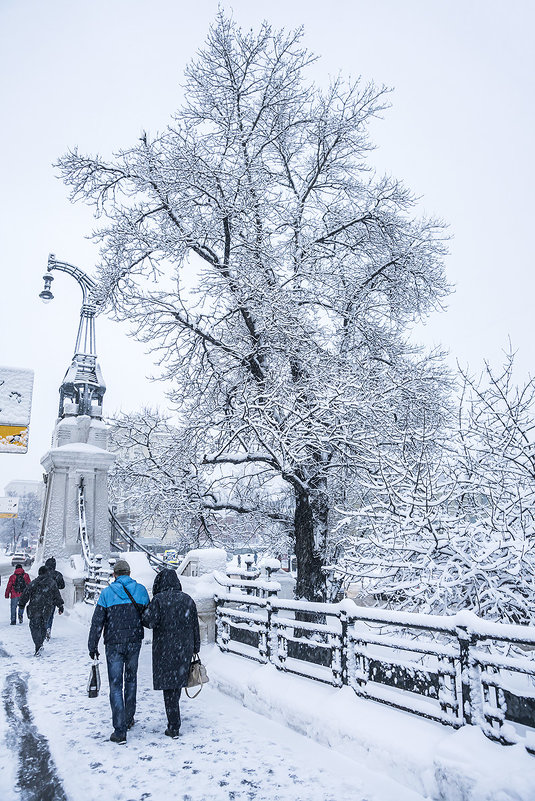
(46, 295)
(82, 389)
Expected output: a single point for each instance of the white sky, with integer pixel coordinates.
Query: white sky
(95, 74)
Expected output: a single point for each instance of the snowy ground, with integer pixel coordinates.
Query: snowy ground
(225, 752)
(6, 568)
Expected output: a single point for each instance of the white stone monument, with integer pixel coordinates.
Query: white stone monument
(78, 456)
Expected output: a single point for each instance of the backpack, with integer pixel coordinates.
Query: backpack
(19, 585)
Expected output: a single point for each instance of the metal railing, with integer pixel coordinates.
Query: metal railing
(82, 525)
(120, 537)
(455, 670)
(261, 588)
(98, 574)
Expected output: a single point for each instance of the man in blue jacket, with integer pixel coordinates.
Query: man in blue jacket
(118, 612)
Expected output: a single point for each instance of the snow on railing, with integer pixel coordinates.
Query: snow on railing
(99, 577)
(263, 588)
(82, 525)
(449, 669)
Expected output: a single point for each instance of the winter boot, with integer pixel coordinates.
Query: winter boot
(118, 738)
(174, 733)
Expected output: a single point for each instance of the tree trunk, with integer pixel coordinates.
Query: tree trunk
(310, 523)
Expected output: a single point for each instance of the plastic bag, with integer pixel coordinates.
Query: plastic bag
(93, 684)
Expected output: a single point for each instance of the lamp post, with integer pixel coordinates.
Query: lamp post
(82, 389)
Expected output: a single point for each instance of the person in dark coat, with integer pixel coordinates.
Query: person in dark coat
(41, 595)
(172, 615)
(15, 587)
(50, 564)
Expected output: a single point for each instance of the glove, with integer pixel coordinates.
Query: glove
(94, 655)
(60, 610)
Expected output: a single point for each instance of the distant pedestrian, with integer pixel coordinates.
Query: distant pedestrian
(118, 613)
(15, 587)
(41, 595)
(172, 615)
(50, 564)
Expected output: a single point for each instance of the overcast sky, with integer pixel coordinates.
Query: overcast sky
(95, 74)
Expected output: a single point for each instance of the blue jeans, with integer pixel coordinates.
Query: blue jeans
(122, 671)
(14, 605)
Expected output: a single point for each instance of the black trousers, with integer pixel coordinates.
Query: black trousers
(171, 700)
(38, 624)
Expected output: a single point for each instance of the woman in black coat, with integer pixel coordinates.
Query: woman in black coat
(172, 615)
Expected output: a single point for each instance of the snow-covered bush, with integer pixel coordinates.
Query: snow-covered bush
(451, 525)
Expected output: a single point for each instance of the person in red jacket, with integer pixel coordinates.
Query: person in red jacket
(15, 587)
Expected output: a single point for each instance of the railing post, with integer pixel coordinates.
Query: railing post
(280, 644)
(449, 699)
(273, 637)
(222, 627)
(471, 706)
(269, 610)
(343, 651)
(216, 627)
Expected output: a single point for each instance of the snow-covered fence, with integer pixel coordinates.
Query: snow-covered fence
(456, 670)
(262, 588)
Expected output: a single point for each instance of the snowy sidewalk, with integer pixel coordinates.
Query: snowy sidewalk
(224, 753)
(437, 761)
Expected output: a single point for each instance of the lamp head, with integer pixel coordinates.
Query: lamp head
(46, 295)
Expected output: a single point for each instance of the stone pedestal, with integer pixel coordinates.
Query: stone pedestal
(206, 613)
(78, 452)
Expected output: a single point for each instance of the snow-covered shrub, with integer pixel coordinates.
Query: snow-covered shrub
(451, 524)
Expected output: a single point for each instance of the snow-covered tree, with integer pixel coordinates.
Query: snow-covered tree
(497, 476)
(160, 479)
(26, 524)
(273, 272)
(451, 524)
(497, 424)
(394, 521)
